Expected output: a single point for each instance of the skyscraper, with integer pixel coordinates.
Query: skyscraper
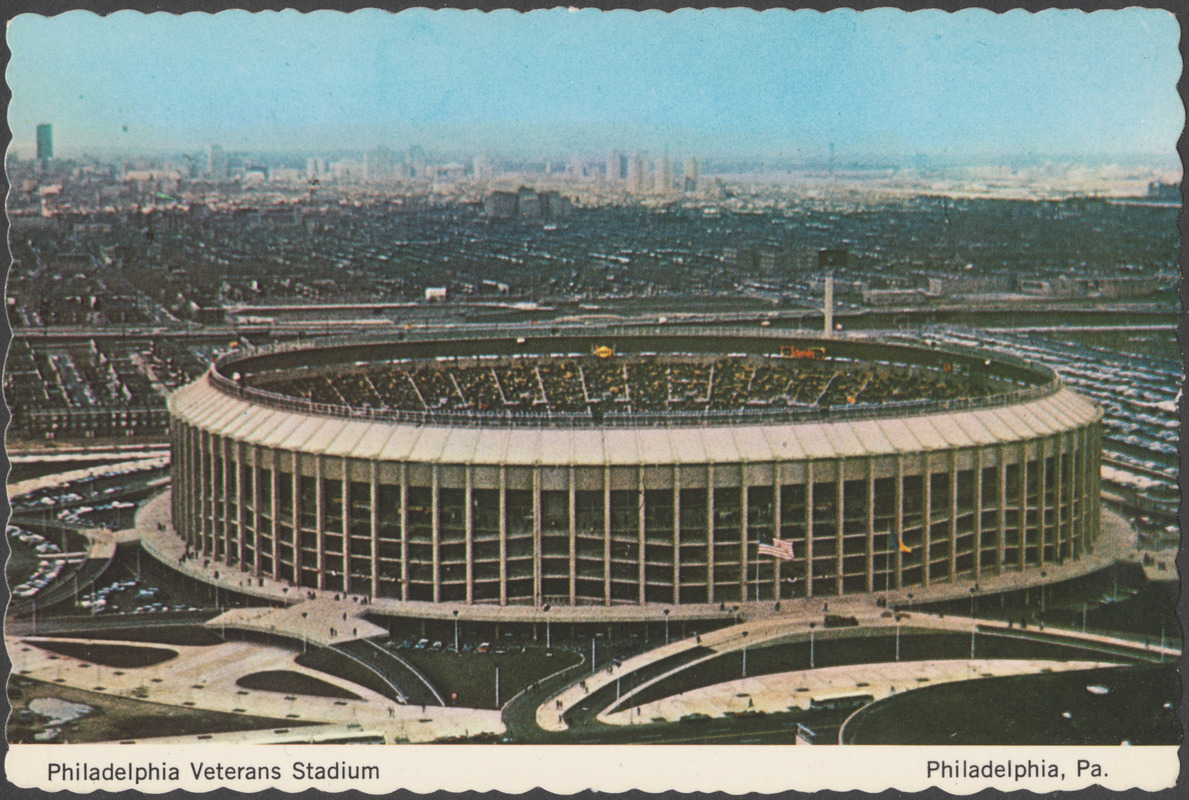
(416, 162)
(614, 167)
(693, 172)
(45, 142)
(379, 165)
(217, 163)
(635, 176)
(664, 175)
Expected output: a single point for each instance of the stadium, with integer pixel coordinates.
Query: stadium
(619, 470)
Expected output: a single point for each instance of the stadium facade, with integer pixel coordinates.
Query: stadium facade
(377, 468)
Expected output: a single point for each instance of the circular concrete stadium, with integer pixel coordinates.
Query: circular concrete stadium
(631, 469)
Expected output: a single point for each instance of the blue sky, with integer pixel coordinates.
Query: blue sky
(883, 84)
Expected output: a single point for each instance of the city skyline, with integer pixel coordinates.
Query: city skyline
(882, 85)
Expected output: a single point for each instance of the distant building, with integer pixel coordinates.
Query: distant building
(435, 294)
(500, 205)
(45, 142)
(480, 170)
(379, 165)
(635, 173)
(615, 168)
(693, 173)
(217, 163)
(416, 163)
(1164, 192)
(526, 204)
(742, 257)
(664, 176)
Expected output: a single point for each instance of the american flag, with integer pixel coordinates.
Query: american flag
(778, 549)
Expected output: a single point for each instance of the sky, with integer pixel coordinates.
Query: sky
(883, 84)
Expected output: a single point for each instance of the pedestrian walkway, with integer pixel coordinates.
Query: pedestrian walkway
(205, 677)
(323, 621)
(790, 691)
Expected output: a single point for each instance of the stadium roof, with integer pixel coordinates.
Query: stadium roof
(205, 406)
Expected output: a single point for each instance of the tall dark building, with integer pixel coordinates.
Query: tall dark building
(45, 142)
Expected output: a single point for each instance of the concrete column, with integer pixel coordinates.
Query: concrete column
(676, 534)
(255, 512)
(238, 448)
(193, 489)
(777, 527)
(345, 491)
(537, 565)
(224, 446)
(1058, 506)
(470, 533)
(1002, 516)
(870, 525)
(1095, 460)
(744, 566)
(404, 531)
(1083, 490)
(899, 521)
(840, 472)
(374, 489)
(206, 501)
(573, 501)
(319, 519)
(642, 540)
(503, 536)
(710, 533)
(1041, 503)
(275, 476)
(1021, 556)
(1071, 440)
(436, 535)
(296, 533)
(809, 477)
(607, 535)
(926, 545)
(978, 513)
(953, 570)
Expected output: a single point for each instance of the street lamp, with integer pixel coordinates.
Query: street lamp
(1043, 575)
(812, 625)
(745, 654)
(548, 637)
(456, 630)
(666, 613)
(897, 637)
(1083, 617)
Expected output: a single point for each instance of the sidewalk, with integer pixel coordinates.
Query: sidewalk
(205, 677)
(787, 691)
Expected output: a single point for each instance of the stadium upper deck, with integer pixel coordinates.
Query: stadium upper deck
(636, 383)
(633, 380)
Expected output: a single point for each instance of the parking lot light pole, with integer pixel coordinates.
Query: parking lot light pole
(1083, 617)
(666, 613)
(548, 637)
(812, 625)
(745, 654)
(456, 630)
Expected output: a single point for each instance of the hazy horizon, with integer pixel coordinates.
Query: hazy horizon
(883, 87)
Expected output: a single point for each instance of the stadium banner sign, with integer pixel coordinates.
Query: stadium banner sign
(379, 769)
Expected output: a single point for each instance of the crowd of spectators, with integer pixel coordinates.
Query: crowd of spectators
(630, 384)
